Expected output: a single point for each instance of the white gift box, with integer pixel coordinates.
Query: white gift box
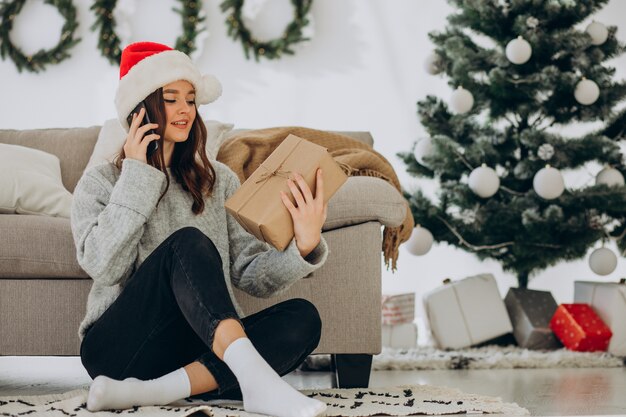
(466, 312)
(608, 299)
(400, 335)
(399, 308)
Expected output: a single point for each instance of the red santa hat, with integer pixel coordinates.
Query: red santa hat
(147, 66)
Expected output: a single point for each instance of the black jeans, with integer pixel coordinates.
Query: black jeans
(166, 315)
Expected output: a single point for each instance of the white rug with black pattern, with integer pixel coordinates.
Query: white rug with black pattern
(404, 400)
(486, 357)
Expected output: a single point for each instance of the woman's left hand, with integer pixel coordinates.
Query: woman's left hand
(310, 213)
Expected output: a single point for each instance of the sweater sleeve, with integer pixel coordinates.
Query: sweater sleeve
(258, 268)
(107, 220)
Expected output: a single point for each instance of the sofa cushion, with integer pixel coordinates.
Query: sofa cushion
(43, 247)
(73, 146)
(30, 182)
(37, 247)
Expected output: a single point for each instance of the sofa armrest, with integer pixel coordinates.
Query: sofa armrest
(362, 199)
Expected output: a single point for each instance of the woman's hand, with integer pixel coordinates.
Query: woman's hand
(310, 213)
(136, 146)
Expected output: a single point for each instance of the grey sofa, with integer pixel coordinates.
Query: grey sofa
(43, 290)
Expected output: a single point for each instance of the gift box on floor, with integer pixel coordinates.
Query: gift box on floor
(398, 309)
(579, 328)
(400, 335)
(467, 312)
(608, 299)
(530, 312)
(257, 204)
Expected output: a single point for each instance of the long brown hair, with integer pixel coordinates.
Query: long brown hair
(190, 166)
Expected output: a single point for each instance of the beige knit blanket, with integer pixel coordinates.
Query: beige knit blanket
(246, 150)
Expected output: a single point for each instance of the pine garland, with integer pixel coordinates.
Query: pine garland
(37, 62)
(275, 48)
(109, 42)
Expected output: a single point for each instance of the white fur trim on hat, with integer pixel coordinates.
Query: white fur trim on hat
(154, 71)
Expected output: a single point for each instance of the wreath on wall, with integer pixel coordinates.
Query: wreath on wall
(37, 62)
(274, 48)
(109, 42)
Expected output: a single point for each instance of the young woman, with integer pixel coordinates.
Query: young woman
(162, 323)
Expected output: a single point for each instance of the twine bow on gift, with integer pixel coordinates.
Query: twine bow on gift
(269, 174)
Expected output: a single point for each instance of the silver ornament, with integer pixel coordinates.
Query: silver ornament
(586, 92)
(461, 100)
(420, 242)
(518, 51)
(548, 183)
(611, 177)
(603, 261)
(532, 22)
(545, 151)
(598, 33)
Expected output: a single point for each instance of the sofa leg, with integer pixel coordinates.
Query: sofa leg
(351, 370)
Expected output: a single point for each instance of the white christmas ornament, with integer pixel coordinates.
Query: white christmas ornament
(602, 261)
(420, 242)
(423, 148)
(587, 92)
(461, 100)
(432, 64)
(484, 181)
(518, 51)
(548, 183)
(611, 177)
(598, 32)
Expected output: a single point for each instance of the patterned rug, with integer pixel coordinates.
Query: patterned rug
(403, 400)
(486, 357)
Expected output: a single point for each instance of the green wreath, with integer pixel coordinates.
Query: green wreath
(37, 62)
(109, 42)
(271, 49)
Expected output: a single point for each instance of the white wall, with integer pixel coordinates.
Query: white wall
(362, 71)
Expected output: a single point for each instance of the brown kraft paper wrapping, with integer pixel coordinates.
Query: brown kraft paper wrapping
(257, 205)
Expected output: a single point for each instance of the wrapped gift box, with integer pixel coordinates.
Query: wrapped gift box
(398, 309)
(400, 335)
(530, 312)
(580, 328)
(257, 204)
(608, 299)
(467, 312)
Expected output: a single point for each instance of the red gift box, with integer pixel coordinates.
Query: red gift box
(579, 328)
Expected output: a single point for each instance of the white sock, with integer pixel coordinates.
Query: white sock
(262, 388)
(106, 393)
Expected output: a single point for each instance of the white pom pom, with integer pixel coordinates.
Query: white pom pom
(548, 183)
(461, 100)
(598, 32)
(484, 181)
(420, 242)
(611, 177)
(603, 261)
(587, 92)
(211, 90)
(432, 64)
(423, 148)
(518, 51)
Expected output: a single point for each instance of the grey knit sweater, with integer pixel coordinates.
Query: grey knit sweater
(116, 224)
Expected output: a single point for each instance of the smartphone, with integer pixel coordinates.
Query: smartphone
(154, 144)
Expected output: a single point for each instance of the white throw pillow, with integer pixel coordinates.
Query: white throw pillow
(30, 183)
(112, 136)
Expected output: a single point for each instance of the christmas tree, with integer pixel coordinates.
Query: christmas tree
(495, 146)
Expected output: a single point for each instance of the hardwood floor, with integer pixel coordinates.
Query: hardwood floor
(591, 391)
